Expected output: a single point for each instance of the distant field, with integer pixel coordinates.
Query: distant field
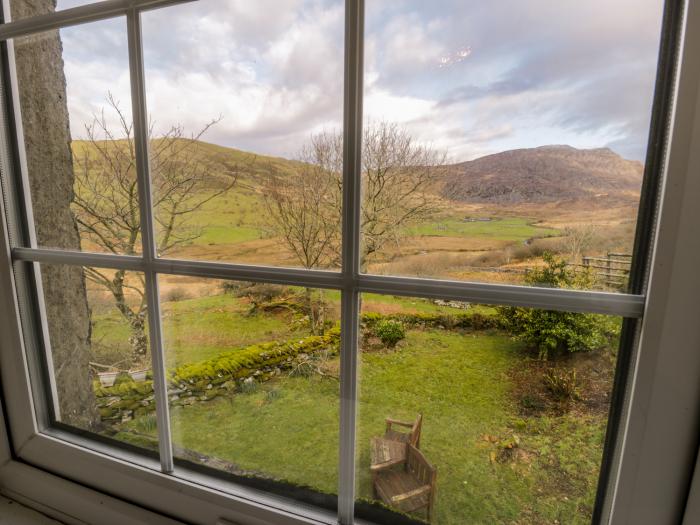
(230, 219)
(501, 229)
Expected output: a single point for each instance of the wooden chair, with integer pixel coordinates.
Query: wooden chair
(412, 436)
(409, 489)
(390, 449)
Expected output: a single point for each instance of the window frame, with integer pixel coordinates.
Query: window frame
(143, 480)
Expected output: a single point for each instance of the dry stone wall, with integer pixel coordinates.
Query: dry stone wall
(224, 374)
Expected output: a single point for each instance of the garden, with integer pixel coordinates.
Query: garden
(514, 401)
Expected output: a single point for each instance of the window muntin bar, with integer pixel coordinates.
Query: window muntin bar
(350, 298)
(627, 305)
(155, 328)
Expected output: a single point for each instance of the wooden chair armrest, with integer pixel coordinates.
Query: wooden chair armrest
(390, 421)
(411, 493)
(386, 465)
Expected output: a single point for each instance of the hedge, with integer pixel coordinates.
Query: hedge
(460, 321)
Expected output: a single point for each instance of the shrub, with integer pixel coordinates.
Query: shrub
(235, 287)
(256, 292)
(305, 368)
(461, 320)
(551, 331)
(390, 332)
(176, 294)
(562, 384)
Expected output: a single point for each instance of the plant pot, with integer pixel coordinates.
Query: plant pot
(107, 378)
(139, 376)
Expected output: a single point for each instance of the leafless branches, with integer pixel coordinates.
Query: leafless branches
(577, 239)
(106, 201)
(397, 178)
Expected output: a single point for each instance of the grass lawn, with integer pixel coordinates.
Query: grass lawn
(195, 329)
(460, 382)
(499, 228)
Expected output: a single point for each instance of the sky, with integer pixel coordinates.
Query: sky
(464, 76)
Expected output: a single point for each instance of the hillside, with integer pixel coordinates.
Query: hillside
(214, 158)
(546, 174)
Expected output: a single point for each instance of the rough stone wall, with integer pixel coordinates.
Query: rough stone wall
(42, 87)
(224, 374)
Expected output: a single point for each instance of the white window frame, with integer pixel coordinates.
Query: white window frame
(662, 361)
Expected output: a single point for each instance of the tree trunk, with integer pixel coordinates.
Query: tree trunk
(321, 313)
(136, 319)
(138, 340)
(312, 311)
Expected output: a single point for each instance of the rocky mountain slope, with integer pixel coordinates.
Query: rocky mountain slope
(546, 174)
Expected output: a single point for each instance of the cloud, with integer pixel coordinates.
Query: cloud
(581, 71)
(535, 72)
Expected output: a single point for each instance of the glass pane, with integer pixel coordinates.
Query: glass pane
(253, 382)
(498, 132)
(78, 136)
(24, 9)
(509, 405)
(246, 103)
(98, 336)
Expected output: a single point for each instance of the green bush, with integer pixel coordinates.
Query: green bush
(549, 331)
(390, 332)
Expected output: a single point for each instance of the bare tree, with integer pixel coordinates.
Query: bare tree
(577, 239)
(398, 176)
(304, 206)
(106, 204)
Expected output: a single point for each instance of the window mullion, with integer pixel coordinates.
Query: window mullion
(140, 119)
(350, 304)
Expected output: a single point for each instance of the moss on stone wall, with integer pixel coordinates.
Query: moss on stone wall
(211, 378)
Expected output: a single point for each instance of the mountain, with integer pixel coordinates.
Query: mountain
(545, 174)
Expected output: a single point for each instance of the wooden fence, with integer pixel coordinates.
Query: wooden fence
(611, 270)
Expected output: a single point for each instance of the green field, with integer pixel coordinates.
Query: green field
(230, 219)
(511, 229)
